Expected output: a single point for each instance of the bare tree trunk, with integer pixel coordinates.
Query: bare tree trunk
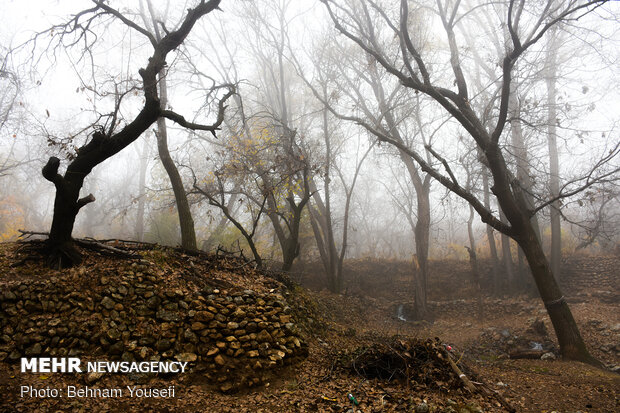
(186, 222)
(63, 252)
(513, 201)
(521, 269)
(144, 161)
(321, 216)
(289, 242)
(491, 237)
(507, 257)
(329, 228)
(422, 236)
(327, 252)
(554, 169)
(572, 345)
(473, 262)
(511, 194)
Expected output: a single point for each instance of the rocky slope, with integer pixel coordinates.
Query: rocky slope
(232, 335)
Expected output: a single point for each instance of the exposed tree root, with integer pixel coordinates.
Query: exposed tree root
(65, 255)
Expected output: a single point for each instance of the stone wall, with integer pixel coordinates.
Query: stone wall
(233, 337)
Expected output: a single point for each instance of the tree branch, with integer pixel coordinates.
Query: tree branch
(125, 20)
(179, 119)
(443, 161)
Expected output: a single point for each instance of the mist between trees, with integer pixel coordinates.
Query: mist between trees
(320, 131)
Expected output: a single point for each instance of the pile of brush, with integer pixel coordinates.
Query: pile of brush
(409, 360)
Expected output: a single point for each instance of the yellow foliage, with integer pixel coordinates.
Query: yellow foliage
(11, 219)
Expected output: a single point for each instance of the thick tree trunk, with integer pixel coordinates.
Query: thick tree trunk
(289, 253)
(422, 237)
(572, 345)
(63, 252)
(515, 205)
(105, 144)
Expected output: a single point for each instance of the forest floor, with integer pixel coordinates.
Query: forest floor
(366, 316)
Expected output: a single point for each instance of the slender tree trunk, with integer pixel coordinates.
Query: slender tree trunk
(144, 161)
(554, 168)
(186, 222)
(232, 205)
(321, 216)
(521, 269)
(507, 257)
(422, 189)
(289, 243)
(315, 223)
(491, 237)
(473, 262)
(329, 228)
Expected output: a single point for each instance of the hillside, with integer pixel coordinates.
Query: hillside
(254, 341)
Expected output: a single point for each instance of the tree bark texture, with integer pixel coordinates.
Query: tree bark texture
(104, 145)
(186, 221)
(491, 237)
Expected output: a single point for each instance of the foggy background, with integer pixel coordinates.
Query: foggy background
(53, 96)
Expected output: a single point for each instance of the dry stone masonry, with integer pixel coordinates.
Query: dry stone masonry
(234, 338)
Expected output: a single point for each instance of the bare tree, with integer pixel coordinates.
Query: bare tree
(288, 194)
(386, 111)
(218, 195)
(552, 139)
(106, 142)
(601, 221)
(321, 214)
(10, 91)
(526, 25)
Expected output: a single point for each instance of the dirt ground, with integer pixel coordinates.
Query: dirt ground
(368, 314)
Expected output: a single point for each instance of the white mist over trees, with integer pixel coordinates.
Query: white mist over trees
(319, 131)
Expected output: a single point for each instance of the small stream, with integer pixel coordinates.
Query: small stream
(400, 314)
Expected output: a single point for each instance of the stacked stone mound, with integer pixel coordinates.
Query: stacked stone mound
(234, 338)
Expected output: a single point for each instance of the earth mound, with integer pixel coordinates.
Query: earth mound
(232, 324)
